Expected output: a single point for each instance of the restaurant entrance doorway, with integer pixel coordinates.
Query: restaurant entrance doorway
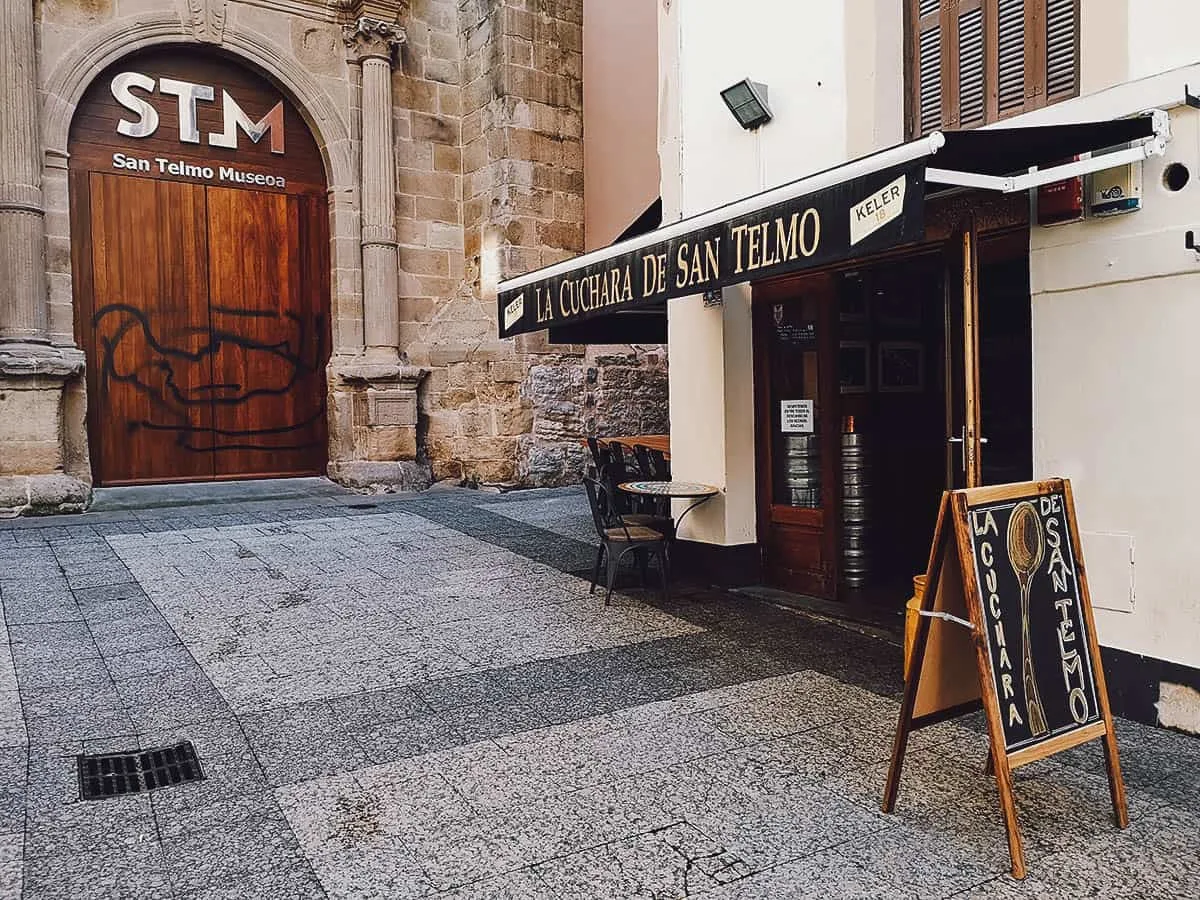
(878, 388)
(200, 260)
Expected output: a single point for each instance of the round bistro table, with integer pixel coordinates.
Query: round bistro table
(680, 490)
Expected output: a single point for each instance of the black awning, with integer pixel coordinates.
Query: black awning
(752, 239)
(642, 325)
(645, 325)
(650, 219)
(1008, 151)
(856, 209)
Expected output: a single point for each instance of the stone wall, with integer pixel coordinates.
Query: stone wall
(606, 390)
(518, 411)
(486, 100)
(521, 191)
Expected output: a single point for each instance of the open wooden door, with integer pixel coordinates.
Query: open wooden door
(963, 439)
(989, 394)
(796, 389)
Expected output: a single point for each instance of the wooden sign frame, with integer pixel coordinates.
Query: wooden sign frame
(958, 638)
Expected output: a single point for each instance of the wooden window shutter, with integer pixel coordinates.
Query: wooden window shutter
(971, 62)
(927, 52)
(969, 46)
(1062, 48)
(1010, 52)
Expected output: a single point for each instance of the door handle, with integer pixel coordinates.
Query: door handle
(960, 438)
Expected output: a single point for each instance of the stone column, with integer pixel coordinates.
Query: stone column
(372, 43)
(42, 468)
(22, 222)
(373, 397)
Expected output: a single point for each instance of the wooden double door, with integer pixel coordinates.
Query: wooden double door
(926, 360)
(204, 314)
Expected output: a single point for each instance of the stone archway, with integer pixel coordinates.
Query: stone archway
(338, 74)
(77, 69)
(99, 49)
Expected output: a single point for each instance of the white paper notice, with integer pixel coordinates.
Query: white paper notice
(796, 416)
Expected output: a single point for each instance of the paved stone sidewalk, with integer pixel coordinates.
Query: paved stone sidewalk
(417, 696)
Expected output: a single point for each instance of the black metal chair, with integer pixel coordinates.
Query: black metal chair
(599, 455)
(640, 511)
(660, 465)
(646, 467)
(660, 506)
(618, 540)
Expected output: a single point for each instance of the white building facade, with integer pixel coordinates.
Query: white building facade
(1110, 304)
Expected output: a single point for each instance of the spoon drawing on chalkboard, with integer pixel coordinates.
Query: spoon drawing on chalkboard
(1026, 549)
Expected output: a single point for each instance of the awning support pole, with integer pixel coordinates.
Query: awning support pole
(1154, 146)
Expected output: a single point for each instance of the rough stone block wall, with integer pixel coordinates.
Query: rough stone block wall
(606, 390)
(488, 128)
(518, 411)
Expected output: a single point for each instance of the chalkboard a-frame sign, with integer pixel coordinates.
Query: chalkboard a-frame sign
(1006, 618)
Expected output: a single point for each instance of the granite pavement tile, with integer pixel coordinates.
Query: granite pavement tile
(254, 847)
(83, 698)
(13, 773)
(373, 873)
(83, 826)
(48, 607)
(470, 724)
(411, 699)
(826, 875)
(83, 725)
(140, 663)
(523, 884)
(463, 690)
(302, 741)
(39, 673)
(662, 863)
(363, 708)
(13, 732)
(12, 845)
(126, 873)
(382, 742)
(765, 829)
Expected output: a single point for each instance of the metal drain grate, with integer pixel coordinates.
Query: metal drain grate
(115, 774)
(362, 505)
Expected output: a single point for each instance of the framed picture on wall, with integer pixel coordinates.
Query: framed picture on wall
(901, 367)
(897, 308)
(854, 367)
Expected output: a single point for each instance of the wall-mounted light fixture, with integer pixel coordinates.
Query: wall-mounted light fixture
(747, 100)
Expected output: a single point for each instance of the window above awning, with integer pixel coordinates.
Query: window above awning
(856, 209)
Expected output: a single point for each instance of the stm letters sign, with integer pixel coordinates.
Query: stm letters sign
(188, 95)
(860, 216)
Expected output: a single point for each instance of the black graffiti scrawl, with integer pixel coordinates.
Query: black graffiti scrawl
(176, 374)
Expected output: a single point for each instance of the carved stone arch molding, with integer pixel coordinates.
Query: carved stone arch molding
(77, 68)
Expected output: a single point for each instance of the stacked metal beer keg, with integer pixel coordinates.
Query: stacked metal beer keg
(802, 469)
(856, 566)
